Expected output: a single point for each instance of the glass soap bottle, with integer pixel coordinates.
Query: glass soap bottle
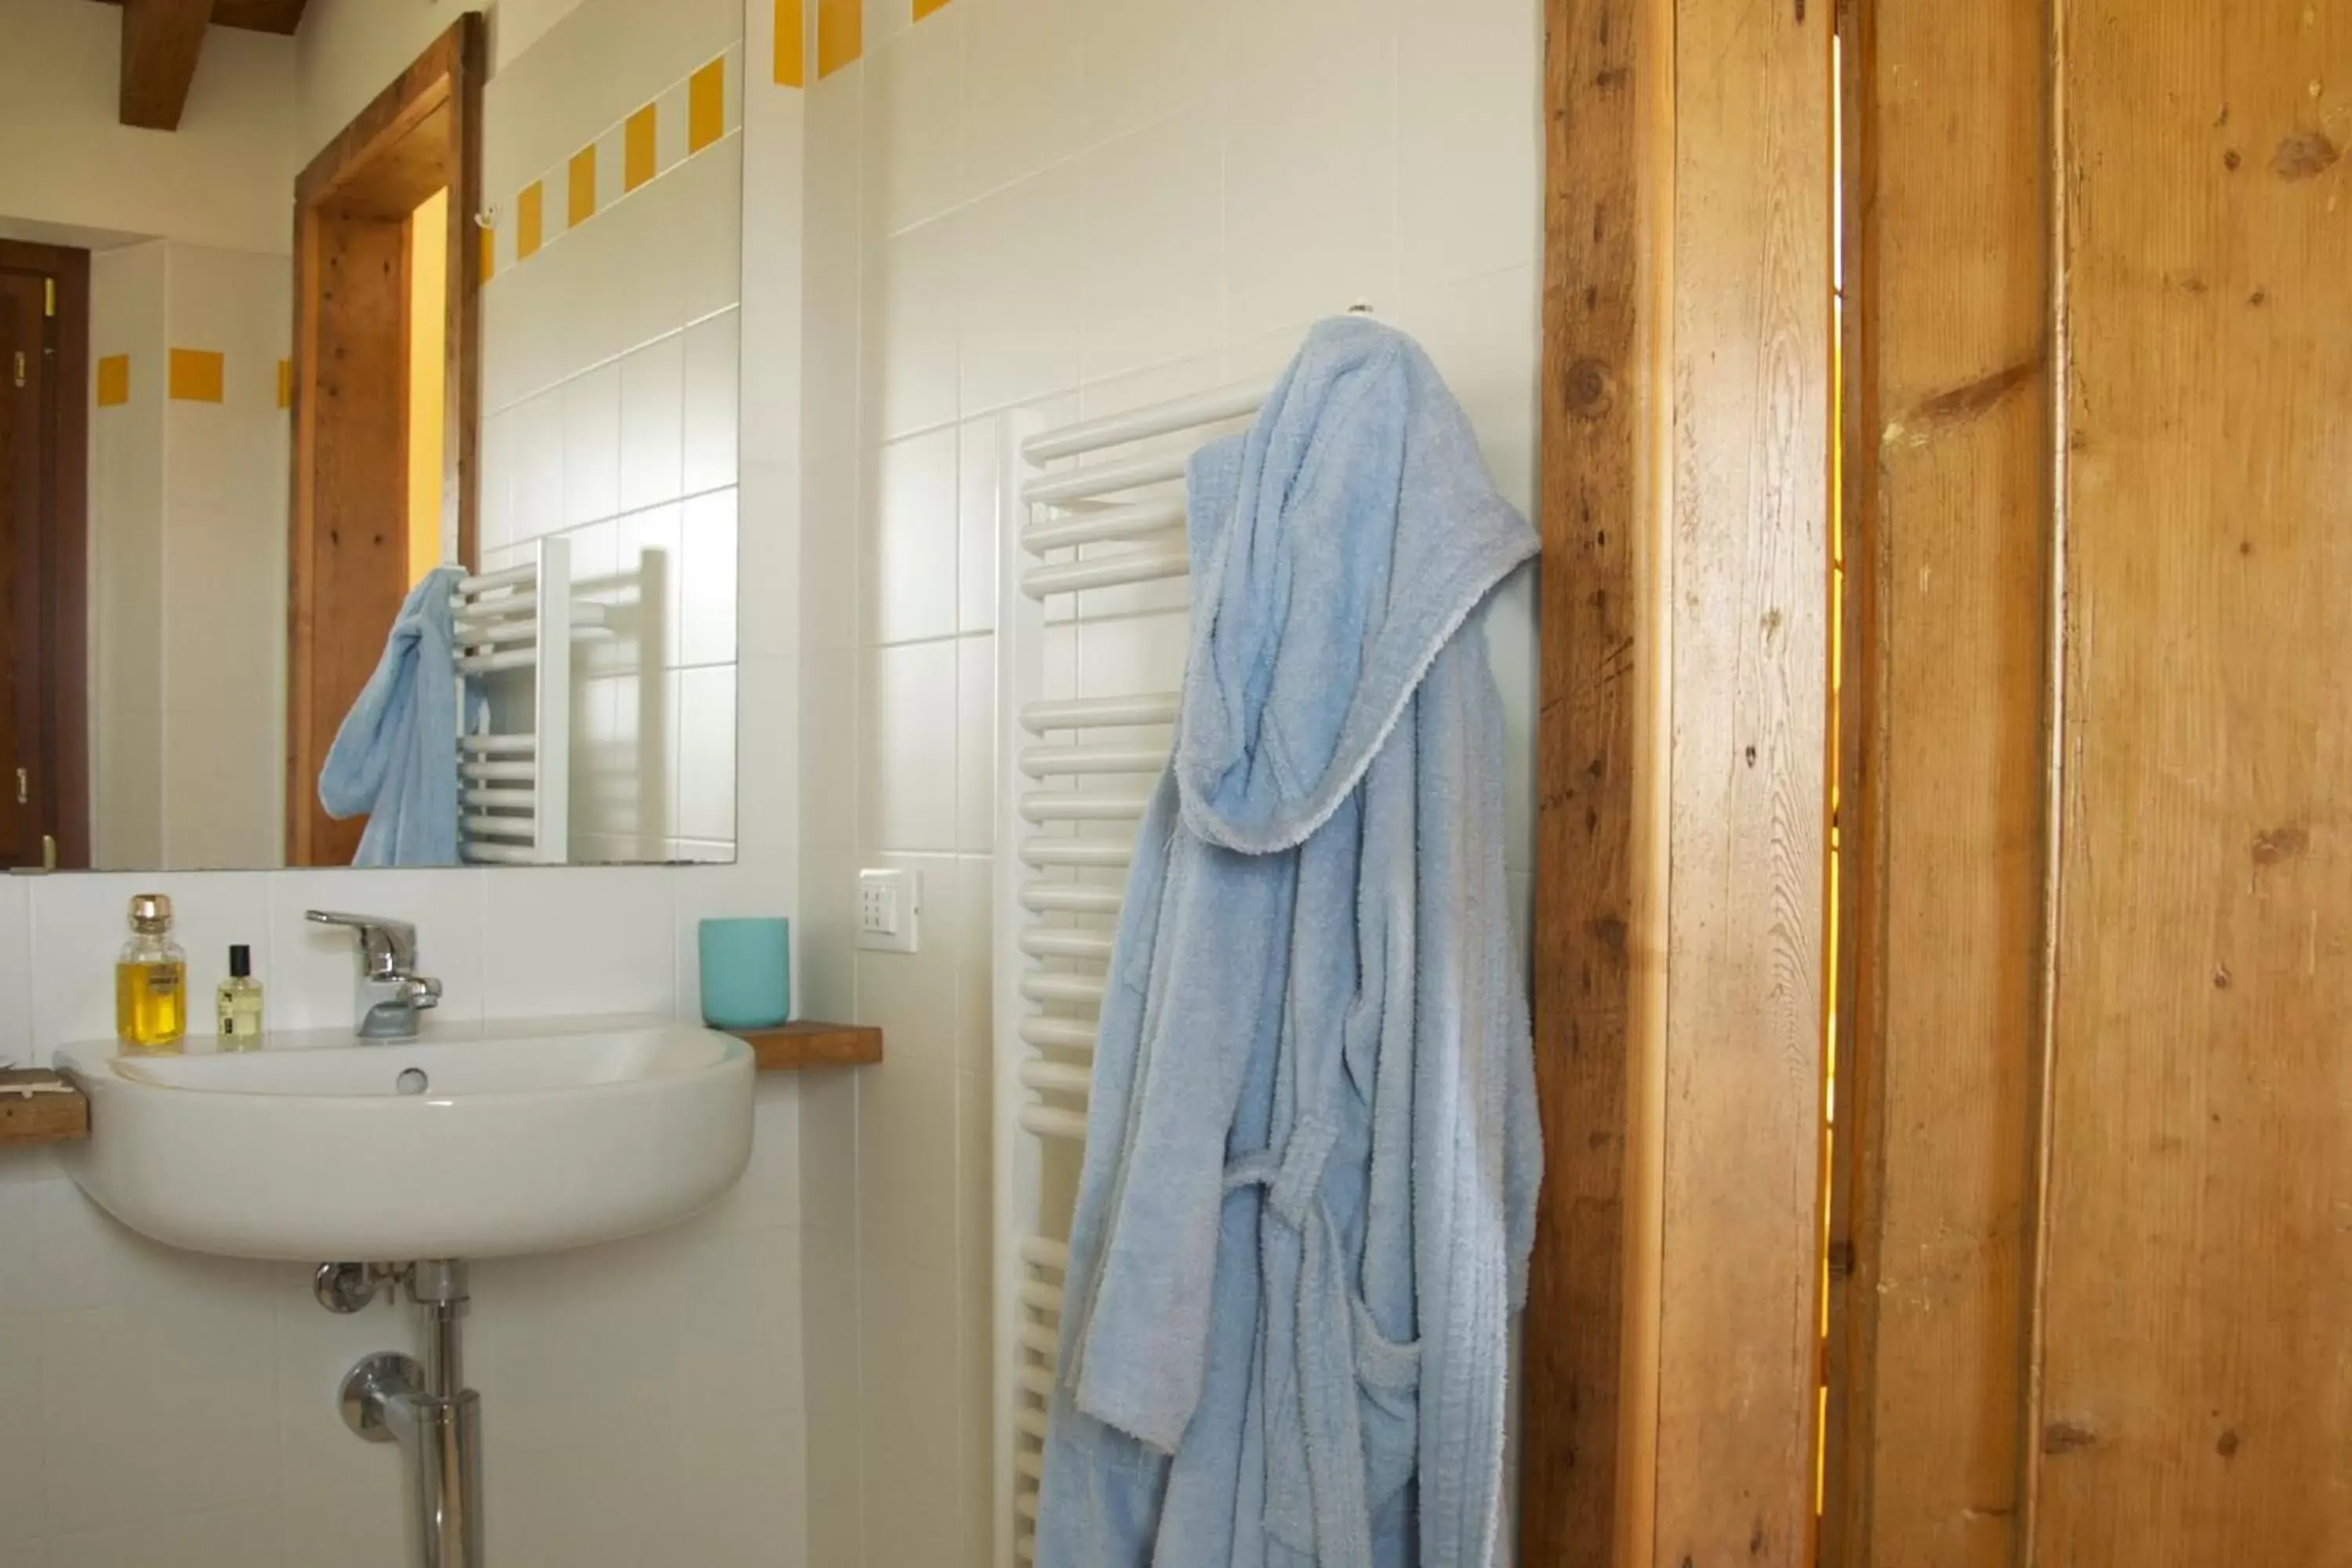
(151, 980)
(237, 1004)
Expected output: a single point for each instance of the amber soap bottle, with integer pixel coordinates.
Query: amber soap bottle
(151, 980)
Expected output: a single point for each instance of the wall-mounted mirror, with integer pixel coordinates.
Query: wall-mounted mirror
(368, 370)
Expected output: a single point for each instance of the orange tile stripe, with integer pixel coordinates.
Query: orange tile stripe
(637, 156)
(196, 376)
(640, 147)
(706, 106)
(526, 221)
(114, 381)
(286, 383)
(792, 47)
(840, 34)
(581, 204)
(925, 7)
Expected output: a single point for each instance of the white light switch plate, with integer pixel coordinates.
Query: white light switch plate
(888, 905)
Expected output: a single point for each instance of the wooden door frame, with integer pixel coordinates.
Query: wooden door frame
(64, 578)
(421, 133)
(1671, 1376)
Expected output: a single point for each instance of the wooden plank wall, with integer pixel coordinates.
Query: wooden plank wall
(2100, 522)
(1587, 1428)
(2197, 1310)
(1739, 1328)
(1673, 1339)
(1946, 523)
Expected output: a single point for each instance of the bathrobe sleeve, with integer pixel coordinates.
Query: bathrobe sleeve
(1215, 989)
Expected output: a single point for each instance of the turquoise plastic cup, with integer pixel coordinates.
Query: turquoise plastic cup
(747, 973)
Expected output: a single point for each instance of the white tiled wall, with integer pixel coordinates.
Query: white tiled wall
(1074, 205)
(188, 557)
(643, 1402)
(611, 375)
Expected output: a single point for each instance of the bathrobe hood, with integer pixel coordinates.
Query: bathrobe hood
(1335, 548)
(1309, 1184)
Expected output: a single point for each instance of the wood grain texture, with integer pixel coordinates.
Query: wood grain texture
(45, 1117)
(1948, 584)
(1588, 1423)
(2198, 1306)
(348, 529)
(161, 41)
(1739, 1333)
(801, 1047)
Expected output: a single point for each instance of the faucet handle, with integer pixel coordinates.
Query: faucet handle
(387, 947)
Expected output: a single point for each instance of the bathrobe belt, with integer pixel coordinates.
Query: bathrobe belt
(1317, 1502)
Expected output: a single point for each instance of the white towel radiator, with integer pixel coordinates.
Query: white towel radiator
(515, 782)
(1089, 652)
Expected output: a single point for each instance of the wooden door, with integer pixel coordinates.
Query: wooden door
(2099, 1217)
(22, 383)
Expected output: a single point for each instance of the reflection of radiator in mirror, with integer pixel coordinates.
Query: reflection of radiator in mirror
(514, 770)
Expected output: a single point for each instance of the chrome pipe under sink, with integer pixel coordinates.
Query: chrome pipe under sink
(425, 1408)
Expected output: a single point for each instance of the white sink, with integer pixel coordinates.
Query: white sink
(468, 1143)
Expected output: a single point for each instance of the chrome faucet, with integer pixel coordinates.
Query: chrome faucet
(391, 993)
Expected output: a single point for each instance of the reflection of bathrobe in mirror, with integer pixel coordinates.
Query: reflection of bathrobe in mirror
(1311, 1151)
(396, 754)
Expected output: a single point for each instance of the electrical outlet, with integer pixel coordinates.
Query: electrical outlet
(888, 905)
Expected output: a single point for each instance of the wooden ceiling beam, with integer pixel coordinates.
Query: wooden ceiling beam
(160, 42)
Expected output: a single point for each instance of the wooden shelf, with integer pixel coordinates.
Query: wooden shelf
(46, 1118)
(798, 1047)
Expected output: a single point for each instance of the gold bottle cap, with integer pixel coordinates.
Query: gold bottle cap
(151, 911)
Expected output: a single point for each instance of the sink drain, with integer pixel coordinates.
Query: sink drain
(412, 1081)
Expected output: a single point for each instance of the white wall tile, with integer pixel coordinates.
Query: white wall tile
(976, 741)
(497, 479)
(1151, 246)
(1023, 91)
(1310, 137)
(577, 941)
(1142, 61)
(1484, 335)
(648, 548)
(910, 329)
(1016, 274)
(977, 500)
(1470, 144)
(536, 504)
(653, 402)
(906, 1382)
(706, 594)
(591, 446)
(769, 566)
(712, 371)
(908, 566)
(705, 753)
(215, 1538)
(906, 724)
(16, 975)
(914, 109)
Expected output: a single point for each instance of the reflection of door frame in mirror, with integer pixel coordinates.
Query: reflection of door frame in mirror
(348, 557)
(59, 780)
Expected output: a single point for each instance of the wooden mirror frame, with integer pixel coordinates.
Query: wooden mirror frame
(348, 560)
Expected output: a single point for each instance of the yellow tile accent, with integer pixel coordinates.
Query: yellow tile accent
(489, 252)
(581, 206)
(840, 34)
(925, 7)
(196, 376)
(286, 383)
(637, 156)
(114, 381)
(705, 105)
(792, 53)
(526, 221)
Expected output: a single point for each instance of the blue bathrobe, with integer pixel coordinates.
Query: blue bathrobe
(395, 756)
(1308, 1191)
